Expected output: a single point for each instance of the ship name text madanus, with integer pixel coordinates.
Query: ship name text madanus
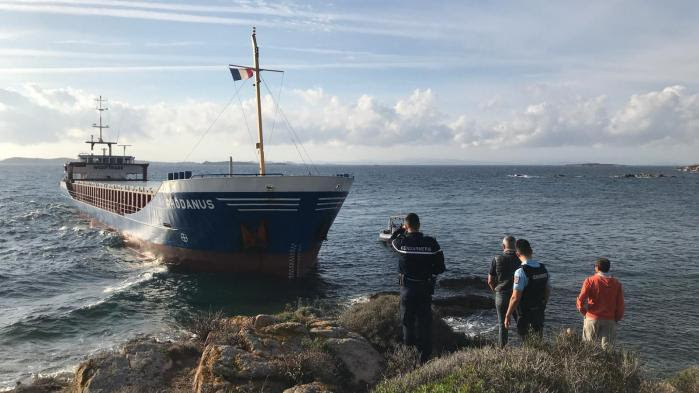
(256, 223)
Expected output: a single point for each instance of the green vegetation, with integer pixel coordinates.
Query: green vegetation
(685, 381)
(378, 321)
(566, 364)
(563, 364)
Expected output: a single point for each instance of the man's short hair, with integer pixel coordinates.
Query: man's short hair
(523, 247)
(603, 264)
(412, 220)
(509, 242)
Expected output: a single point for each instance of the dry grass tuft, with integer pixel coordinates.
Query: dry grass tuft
(203, 323)
(378, 321)
(401, 359)
(565, 365)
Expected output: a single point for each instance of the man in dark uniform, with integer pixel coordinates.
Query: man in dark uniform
(531, 291)
(500, 278)
(420, 259)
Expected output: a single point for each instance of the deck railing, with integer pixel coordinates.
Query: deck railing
(113, 198)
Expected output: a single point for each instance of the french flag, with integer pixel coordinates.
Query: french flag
(240, 73)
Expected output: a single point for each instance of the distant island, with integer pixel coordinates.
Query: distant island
(243, 163)
(34, 161)
(595, 164)
(62, 160)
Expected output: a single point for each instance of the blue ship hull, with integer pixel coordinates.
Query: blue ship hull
(272, 226)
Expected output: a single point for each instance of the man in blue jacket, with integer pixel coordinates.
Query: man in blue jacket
(530, 292)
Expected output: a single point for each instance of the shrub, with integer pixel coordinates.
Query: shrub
(306, 310)
(567, 364)
(401, 359)
(203, 323)
(311, 365)
(686, 381)
(378, 321)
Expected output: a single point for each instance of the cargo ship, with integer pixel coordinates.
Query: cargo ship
(262, 223)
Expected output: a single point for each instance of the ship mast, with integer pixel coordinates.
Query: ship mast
(260, 145)
(101, 126)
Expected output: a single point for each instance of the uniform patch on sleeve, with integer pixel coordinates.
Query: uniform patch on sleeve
(516, 279)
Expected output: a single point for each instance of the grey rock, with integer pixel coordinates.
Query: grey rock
(286, 329)
(329, 332)
(223, 367)
(359, 357)
(462, 305)
(234, 363)
(264, 320)
(44, 385)
(315, 387)
(141, 363)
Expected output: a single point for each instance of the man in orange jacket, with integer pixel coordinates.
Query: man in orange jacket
(601, 302)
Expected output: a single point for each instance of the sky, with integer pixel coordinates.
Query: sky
(494, 82)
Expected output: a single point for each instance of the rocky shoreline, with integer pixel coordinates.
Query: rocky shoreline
(302, 350)
(313, 350)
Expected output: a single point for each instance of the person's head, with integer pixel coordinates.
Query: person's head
(508, 243)
(412, 222)
(523, 249)
(602, 265)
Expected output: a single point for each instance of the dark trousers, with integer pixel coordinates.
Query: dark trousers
(416, 317)
(502, 301)
(530, 321)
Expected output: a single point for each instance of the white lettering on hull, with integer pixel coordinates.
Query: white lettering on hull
(190, 204)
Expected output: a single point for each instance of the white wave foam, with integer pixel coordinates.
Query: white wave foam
(93, 304)
(143, 277)
(523, 176)
(63, 228)
(358, 299)
(64, 373)
(31, 215)
(473, 325)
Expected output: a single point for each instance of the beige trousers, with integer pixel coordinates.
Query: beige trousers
(603, 330)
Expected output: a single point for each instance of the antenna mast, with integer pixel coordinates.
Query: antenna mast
(100, 109)
(124, 146)
(100, 126)
(260, 145)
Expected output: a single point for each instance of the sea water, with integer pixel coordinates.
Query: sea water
(69, 288)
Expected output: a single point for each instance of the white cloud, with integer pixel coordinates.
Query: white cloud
(325, 118)
(668, 117)
(670, 114)
(261, 13)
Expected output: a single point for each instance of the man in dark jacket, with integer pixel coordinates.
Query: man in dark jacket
(500, 277)
(530, 292)
(420, 260)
